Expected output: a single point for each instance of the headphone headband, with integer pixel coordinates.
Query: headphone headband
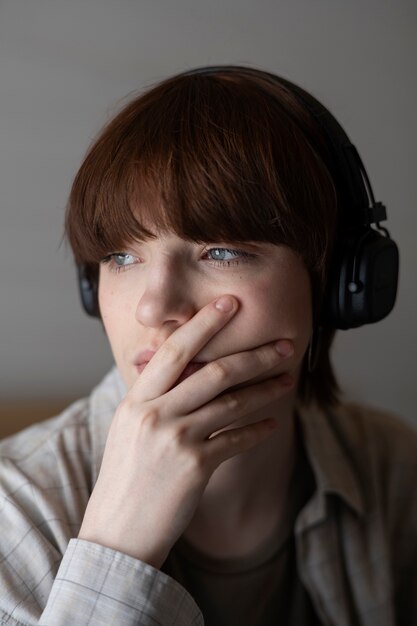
(352, 180)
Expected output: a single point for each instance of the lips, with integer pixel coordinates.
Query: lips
(144, 356)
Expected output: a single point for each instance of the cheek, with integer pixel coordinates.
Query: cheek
(113, 309)
(272, 310)
(288, 304)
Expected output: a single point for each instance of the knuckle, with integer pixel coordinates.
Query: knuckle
(171, 352)
(126, 409)
(150, 417)
(181, 433)
(198, 462)
(235, 436)
(232, 402)
(207, 321)
(218, 370)
(268, 356)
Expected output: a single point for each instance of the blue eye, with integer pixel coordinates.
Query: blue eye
(121, 259)
(118, 261)
(219, 253)
(235, 256)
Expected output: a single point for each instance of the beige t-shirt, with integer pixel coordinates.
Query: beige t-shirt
(261, 589)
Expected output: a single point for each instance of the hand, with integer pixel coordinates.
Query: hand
(160, 454)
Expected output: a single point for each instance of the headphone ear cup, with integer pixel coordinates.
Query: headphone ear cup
(88, 286)
(363, 286)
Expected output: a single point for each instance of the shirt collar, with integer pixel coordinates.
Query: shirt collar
(333, 468)
(104, 400)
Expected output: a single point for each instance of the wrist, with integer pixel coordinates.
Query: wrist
(155, 557)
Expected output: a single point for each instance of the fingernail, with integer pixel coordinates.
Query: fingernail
(225, 304)
(284, 347)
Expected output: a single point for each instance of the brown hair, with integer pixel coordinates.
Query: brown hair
(225, 155)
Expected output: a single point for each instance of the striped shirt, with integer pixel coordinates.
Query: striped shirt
(356, 537)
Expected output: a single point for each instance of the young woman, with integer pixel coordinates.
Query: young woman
(222, 228)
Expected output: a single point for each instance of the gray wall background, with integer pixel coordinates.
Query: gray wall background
(67, 66)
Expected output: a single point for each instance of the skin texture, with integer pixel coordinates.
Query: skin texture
(199, 453)
(145, 302)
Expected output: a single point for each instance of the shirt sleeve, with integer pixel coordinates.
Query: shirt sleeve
(50, 578)
(97, 585)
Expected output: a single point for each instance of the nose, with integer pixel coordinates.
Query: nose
(166, 300)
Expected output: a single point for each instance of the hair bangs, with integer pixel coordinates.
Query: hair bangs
(206, 159)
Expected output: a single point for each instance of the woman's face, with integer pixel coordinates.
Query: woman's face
(152, 288)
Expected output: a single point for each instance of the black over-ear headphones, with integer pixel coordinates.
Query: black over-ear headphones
(362, 285)
(88, 286)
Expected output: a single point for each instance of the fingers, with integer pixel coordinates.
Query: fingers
(232, 442)
(217, 376)
(227, 409)
(180, 348)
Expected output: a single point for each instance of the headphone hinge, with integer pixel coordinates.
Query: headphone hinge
(377, 213)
